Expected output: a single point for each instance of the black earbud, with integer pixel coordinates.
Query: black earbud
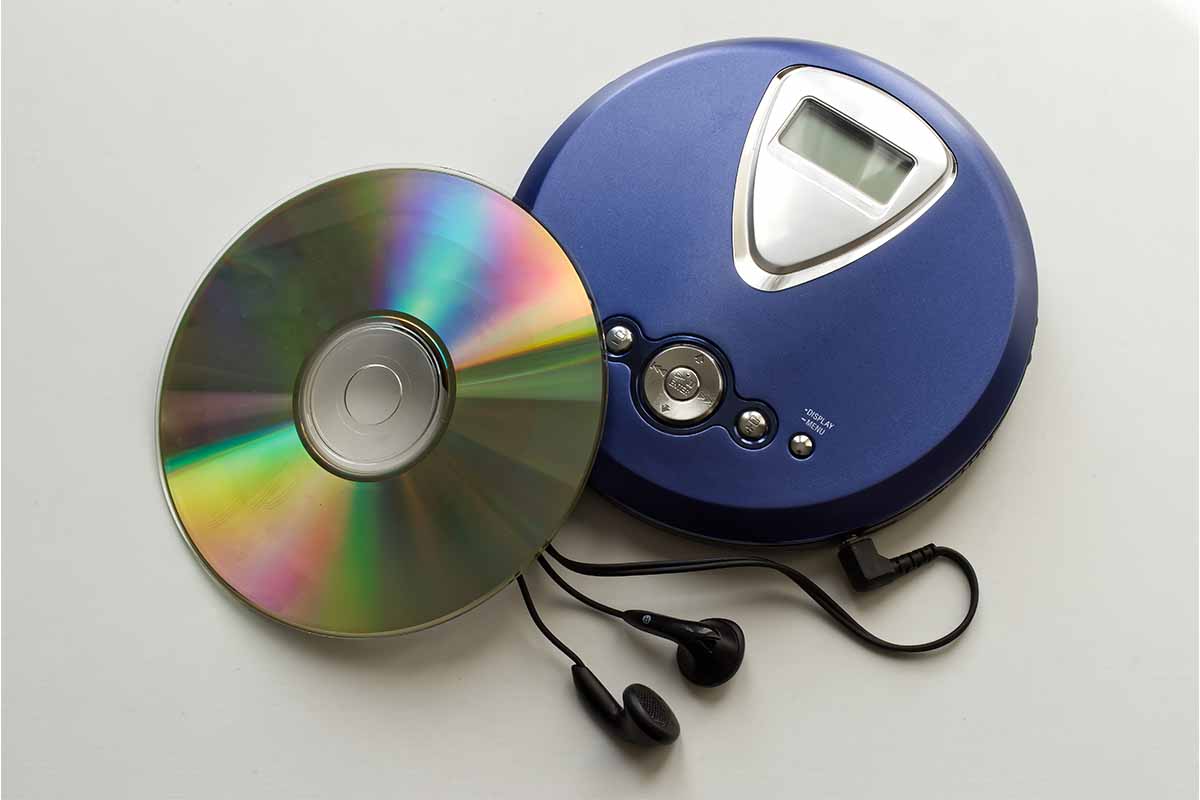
(645, 718)
(710, 651)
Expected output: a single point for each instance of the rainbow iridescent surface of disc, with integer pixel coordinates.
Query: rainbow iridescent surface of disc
(509, 319)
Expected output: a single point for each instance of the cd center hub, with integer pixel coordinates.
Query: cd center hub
(374, 396)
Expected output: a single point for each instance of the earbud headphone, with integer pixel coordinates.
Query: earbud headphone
(710, 651)
(645, 719)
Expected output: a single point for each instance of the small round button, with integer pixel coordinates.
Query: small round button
(752, 425)
(618, 339)
(801, 445)
(682, 384)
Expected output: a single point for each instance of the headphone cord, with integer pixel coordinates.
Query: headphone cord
(865, 567)
(578, 595)
(541, 626)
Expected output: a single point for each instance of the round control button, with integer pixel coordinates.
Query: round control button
(752, 425)
(618, 340)
(801, 445)
(682, 384)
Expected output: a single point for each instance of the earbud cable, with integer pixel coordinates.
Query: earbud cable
(541, 626)
(822, 599)
(578, 595)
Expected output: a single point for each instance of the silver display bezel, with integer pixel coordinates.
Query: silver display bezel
(795, 196)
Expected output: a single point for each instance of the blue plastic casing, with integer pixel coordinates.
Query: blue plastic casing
(899, 366)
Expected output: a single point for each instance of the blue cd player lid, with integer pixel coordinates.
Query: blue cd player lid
(817, 280)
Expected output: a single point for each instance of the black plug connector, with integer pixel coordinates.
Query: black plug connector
(868, 570)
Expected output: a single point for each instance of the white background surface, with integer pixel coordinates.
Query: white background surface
(139, 137)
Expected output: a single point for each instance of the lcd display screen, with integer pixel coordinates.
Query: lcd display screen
(843, 148)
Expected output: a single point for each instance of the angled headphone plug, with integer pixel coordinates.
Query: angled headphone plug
(868, 570)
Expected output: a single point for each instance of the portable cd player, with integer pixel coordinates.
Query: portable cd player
(817, 286)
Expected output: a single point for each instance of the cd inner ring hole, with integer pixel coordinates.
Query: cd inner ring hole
(373, 394)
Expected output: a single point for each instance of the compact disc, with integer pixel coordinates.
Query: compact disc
(381, 402)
